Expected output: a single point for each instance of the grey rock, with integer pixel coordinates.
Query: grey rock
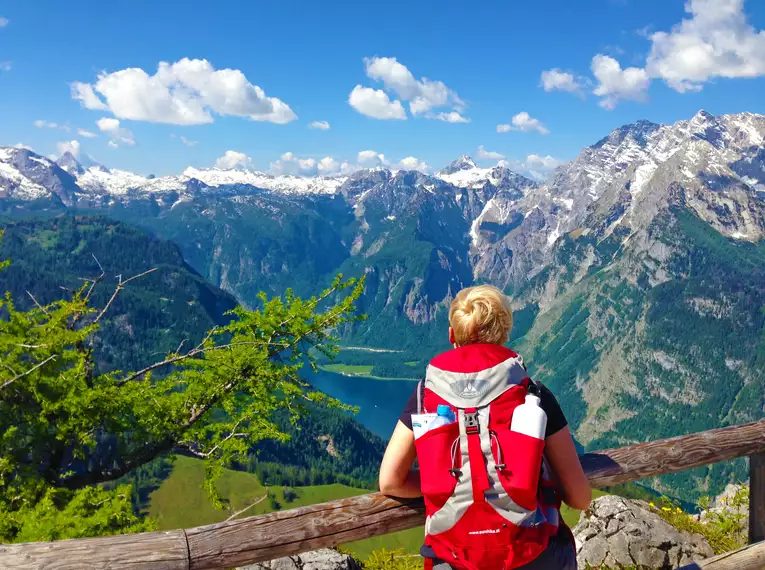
(324, 559)
(619, 532)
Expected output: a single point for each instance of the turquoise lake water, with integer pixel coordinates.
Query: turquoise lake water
(380, 402)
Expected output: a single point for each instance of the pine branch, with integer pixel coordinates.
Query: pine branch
(39, 306)
(120, 286)
(19, 376)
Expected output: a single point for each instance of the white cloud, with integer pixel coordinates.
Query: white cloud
(112, 144)
(5, 65)
(716, 41)
(328, 165)
(412, 163)
(289, 163)
(450, 117)
(422, 94)
(525, 123)
(187, 92)
(4, 22)
(542, 162)
(72, 147)
(41, 124)
(616, 84)
(320, 125)
(375, 103)
(233, 159)
(371, 159)
(184, 140)
(86, 134)
(557, 80)
(118, 135)
(84, 93)
(484, 154)
(22, 145)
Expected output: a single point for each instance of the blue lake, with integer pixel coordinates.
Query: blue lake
(380, 402)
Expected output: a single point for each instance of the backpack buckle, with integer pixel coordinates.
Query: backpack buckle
(471, 423)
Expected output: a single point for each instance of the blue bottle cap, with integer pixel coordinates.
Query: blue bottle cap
(444, 410)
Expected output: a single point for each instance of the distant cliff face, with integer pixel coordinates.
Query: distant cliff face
(639, 265)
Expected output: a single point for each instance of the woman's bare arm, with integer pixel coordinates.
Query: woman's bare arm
(397, 478)
(561, 453)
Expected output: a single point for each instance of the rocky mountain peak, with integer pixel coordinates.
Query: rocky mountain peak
(68, 162)
(637, 132)
(464, 162)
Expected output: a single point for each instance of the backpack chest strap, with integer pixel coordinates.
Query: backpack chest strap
(470, 432)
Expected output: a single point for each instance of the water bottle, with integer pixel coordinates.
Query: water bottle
(444, 416)
(529, 418)
(527, 442)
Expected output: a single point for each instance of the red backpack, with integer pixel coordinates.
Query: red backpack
(489, 499)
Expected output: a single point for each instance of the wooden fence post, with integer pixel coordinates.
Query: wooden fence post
(756, 498)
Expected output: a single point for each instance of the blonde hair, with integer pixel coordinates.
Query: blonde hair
(481, 314)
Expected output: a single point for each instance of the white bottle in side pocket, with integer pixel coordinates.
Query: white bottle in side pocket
(529, 418)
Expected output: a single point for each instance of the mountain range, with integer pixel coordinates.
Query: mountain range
(637, 270)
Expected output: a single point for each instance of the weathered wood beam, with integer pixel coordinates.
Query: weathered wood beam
(750, 557)
(145, 551)
(756, 498)
(286, 533)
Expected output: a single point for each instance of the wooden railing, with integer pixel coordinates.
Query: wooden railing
(260, 538)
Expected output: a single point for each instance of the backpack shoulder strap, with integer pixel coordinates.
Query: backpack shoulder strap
(420, 394)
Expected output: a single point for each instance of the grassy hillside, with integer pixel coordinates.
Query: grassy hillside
(180, 502)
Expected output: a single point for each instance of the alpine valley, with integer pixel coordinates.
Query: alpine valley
(637, 270)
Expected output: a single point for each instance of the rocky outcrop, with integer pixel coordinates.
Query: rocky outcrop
(324, 559)
(616, 532)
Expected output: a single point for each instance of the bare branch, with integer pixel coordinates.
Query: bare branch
(193, 352)
(120, 286)
(39, 306)
(247, 508)
(96, 281)
(35, 367)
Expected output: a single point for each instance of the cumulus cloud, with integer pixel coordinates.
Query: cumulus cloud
(291, 164)
(535, 161)
(716, 41)
(450, 117)
(616, 84)
(375, 103)
(288, 163)
(72, 147)
(233, 159)
(86, 134)
(484, 154)
(118, 135)
(187, 92)
(84, 93)
(557, 80)
(412, 163)
(423, 95)
(525, 123)
(328, 165)
(320, 125)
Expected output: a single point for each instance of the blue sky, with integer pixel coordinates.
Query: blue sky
(608, 62)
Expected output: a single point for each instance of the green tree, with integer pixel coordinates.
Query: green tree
(67, 428)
